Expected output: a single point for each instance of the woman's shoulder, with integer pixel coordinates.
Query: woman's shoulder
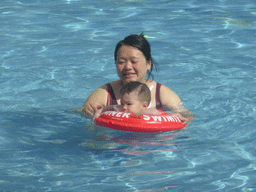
(166, 90)
(112, 87)
(150, 83)
(112, 84)
(116, 83)
(169, 97)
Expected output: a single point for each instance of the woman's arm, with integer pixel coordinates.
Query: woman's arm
(95, 101)
(169, 98)
(172, 101)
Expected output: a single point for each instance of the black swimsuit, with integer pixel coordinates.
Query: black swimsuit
(112, 98)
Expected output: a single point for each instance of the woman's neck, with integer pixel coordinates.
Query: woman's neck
(145, 81)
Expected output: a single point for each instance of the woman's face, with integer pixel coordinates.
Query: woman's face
(131, 64)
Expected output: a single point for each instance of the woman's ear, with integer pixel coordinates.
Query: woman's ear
(149, 64)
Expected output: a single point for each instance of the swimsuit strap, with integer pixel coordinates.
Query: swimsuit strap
(150, 88)
(111, 100)
(158, 101)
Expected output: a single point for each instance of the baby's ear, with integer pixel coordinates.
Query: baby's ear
(145, 105)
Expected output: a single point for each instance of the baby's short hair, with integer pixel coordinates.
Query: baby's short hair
(144, 93)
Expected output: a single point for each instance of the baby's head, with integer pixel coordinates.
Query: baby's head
(135, 96)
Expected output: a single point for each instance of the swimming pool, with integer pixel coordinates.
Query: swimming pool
(55, 53)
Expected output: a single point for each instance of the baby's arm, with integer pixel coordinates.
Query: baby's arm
(103, 109)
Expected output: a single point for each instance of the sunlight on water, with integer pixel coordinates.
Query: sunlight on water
(55, 53)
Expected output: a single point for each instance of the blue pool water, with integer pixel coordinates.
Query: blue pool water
(55, 53)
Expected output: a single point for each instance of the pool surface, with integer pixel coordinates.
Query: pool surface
(55, 53)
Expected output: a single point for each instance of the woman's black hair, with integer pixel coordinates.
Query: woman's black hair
(140, 43)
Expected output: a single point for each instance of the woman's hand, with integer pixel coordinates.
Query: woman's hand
(97, 113)
(95, 101)
(90, 109)
(184, 114)
(185, 120)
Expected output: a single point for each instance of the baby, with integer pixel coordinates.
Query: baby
(135, 98)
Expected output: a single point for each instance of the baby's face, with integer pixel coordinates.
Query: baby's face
(130, 103)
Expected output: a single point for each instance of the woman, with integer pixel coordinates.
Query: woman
(133, 62)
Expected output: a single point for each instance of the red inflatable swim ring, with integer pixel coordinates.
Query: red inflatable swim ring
(139, 123)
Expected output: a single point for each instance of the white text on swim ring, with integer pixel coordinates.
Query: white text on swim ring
(117, 114)
(156, 118)
(166, 118)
